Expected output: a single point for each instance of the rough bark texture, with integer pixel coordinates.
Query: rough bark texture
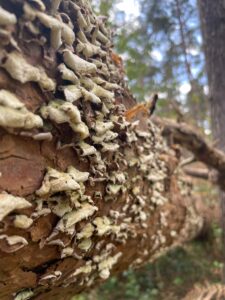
(83, 192)
(212, 15)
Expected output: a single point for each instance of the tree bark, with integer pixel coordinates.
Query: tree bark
(212, 15)
(83, 192)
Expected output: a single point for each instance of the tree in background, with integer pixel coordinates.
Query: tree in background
(212, 15)
(162, 51)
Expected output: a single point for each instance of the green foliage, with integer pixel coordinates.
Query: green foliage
(162, 51)
(104, 7)
(80, 297)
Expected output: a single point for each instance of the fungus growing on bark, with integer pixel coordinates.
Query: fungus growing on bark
(55, 181)
(9, 203)
(12, 243)
(22, 221)
(86, 210)
(17, 66)
(104, 226)
(78, 64)
(14, 114)
(65, 112)
(24, 295)
(7, 18)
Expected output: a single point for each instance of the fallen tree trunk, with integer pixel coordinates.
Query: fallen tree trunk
(83, 192)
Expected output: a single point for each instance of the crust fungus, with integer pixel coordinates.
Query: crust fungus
(81, 19)
(61, 208)
(109, 147)
(37, 4)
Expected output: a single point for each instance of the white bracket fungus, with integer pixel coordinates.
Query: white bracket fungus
(55, 5)
(108, 136)
(104, 226)
(19, 69)
(22, 221)
(50, 277)
(55, 181)
(86, 269)
(86, 210)
(85, 244)
(78, 64)
(86, 232)
(113, 189)
(67, 74)
(61, 208)
(102, 127)
(65, 112)
(85, 149)
(14, 114)
(14, 242)
(106, 265)
(9, 203)
(72, 92)
(24, 295)
(6, 18)
(67, 252)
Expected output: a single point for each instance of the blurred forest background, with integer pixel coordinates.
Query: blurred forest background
(160, 43)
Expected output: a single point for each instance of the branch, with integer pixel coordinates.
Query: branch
(198, 173)
(188, 137)
(187, 161)
(176, 107)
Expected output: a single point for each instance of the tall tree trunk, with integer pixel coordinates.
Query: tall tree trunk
(212, 15)
(83, 192)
